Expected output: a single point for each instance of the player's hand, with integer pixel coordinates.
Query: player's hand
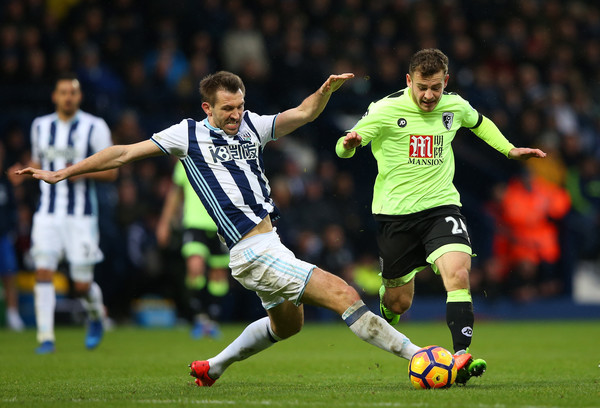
(334, 82)
(524, 153)
(352, 140)
(12, 175)
(50, 177)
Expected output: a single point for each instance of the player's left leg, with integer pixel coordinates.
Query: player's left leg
(92, 300)
(13, 319)
(195, 282)
(207, 279)
(8, 272)
(261, 264)
(454, 267)
(283, 321)
(83, 253)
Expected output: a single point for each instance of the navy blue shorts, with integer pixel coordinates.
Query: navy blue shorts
(8, 257)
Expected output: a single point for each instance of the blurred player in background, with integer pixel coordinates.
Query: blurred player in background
(415, 203)
(66, 220)
(222, 156)
(201, 248)
(8, 256)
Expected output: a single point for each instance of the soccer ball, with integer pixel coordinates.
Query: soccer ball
(432, 367)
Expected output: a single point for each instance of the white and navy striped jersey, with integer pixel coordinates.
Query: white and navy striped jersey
(226, 171)
(55, 145)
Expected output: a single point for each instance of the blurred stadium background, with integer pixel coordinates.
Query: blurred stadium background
(531, 66)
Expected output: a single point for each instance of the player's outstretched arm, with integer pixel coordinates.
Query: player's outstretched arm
(109, 158)
(524, 153)
(310, 108)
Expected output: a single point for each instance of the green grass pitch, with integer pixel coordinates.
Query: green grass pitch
(530, 365)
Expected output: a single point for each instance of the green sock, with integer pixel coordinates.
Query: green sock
(218, 288)
(196, 283)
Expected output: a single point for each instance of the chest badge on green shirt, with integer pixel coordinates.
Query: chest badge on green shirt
(448, 118)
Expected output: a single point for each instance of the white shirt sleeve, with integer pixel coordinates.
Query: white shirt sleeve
(264, 125)
(34, 136)
(173, 140)
(101, 138)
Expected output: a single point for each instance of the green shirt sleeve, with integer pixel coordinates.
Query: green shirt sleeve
(341, 152)
(369, 126)
(489, 133)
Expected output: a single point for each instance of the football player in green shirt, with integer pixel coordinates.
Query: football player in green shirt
(415, 203)
(201, 247)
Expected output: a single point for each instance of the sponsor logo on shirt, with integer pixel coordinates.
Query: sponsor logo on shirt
(426, 150)
(69, 154)
(246, 151)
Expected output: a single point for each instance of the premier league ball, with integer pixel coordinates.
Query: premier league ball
(432, 367)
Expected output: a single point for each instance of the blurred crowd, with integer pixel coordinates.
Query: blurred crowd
(529, 65)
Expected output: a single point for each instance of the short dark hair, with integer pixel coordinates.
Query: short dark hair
(428, 62)
(66, 76)
(222, 80)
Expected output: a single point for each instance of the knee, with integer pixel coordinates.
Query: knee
(460, 278)
(290, 329)
(44, 275)
(82, 288)
(350, 294)
(398, 304)
(195, 265)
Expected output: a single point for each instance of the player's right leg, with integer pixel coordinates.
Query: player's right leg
(468, 367)
(44, 304)
(330, 291)
(45, 251)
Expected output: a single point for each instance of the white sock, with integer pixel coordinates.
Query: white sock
(45, 303)
(13, 319)
(256, 337)
(93, 302)
(376, 331)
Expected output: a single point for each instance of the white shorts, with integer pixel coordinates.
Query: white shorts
(264, 265)
(76, 238)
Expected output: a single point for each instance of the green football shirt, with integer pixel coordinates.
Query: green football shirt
(194, 213)
(413, 151)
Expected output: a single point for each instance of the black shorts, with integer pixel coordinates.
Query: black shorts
(209, 239)
(407, 242)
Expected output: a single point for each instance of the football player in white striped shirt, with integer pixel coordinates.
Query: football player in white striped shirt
(66, 220)
(222, 155)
